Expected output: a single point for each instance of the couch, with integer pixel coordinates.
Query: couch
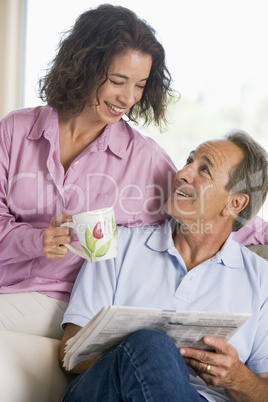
(29, 364)
(30, 371)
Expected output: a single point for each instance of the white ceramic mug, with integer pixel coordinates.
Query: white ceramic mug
(96, 231)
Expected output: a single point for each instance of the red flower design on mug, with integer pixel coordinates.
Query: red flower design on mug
(97, 231)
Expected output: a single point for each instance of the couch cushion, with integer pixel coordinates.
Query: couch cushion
(261, 250)
(29, 368)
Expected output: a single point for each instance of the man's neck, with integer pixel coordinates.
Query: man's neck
(196, 248)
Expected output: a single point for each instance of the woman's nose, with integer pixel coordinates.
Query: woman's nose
(127, 96)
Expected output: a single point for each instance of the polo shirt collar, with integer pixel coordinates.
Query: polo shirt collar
(161, 238)
(230, 254)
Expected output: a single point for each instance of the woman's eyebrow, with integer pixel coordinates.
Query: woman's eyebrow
(125, 77)
(119, 76)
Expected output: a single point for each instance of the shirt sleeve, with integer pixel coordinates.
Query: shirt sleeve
(18, 241)
(93, 289)
(258, 361)
(255, 232)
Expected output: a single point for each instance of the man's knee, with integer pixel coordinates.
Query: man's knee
(151, 341)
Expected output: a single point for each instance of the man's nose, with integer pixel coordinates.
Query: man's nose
(186, 173)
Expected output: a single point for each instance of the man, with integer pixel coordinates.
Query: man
(189, 263)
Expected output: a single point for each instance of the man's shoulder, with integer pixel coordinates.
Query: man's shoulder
(139, 234)
(125, 233)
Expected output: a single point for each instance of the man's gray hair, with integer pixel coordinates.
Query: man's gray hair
(249, 177)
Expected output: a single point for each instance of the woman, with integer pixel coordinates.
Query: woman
(77, 154)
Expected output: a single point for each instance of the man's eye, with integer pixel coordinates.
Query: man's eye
(205, 169)
(188, 161)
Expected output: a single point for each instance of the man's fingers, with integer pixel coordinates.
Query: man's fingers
(219, 345)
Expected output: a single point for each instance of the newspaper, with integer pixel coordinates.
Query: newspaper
(114, 323)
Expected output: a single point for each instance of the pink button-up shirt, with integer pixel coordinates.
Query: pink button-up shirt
(121, 168)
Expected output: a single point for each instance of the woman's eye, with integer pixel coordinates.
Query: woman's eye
(116, 82)
(140, 86)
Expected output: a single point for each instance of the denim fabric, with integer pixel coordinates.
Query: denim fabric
(145, 366)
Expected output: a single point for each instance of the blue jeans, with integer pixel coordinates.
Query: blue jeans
(145, 366)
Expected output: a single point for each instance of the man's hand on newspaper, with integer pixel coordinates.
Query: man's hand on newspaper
(218, 368)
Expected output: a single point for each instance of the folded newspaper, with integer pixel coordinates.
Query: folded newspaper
(113, 323)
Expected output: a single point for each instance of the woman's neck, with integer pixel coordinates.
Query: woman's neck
(75, 135)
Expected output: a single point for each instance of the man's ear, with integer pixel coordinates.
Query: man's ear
(236, 203)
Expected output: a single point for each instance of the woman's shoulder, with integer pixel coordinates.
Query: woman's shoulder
(23, 120)
(133, 138)
(26, 116)
(136, 135)
(26, 112)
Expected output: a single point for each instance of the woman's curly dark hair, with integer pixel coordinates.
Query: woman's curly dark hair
(84, 57)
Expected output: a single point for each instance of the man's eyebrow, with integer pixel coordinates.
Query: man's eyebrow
(125, 77)
(208, 160)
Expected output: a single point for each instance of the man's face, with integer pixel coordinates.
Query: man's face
(198, 190)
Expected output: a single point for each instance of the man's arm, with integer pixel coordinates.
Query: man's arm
(223, 368)
(70, 331)
(251, 387)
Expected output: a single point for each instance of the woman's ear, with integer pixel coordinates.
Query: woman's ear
(236, 203)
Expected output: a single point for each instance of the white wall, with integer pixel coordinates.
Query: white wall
(12, 24)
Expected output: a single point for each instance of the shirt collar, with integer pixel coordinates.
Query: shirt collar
(116, 136)
(46, 118)
(161, 238)
(229, 255)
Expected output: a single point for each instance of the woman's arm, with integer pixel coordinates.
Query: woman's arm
(255, 232)
(20, 240)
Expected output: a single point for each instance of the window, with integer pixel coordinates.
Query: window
(216, 53)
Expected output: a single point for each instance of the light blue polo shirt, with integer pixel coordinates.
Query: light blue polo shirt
(149, 272)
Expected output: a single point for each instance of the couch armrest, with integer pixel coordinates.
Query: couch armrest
(30, 371)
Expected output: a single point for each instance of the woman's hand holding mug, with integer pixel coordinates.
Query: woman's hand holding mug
(55, 236)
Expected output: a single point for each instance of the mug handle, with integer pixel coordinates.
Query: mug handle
(70, 247)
